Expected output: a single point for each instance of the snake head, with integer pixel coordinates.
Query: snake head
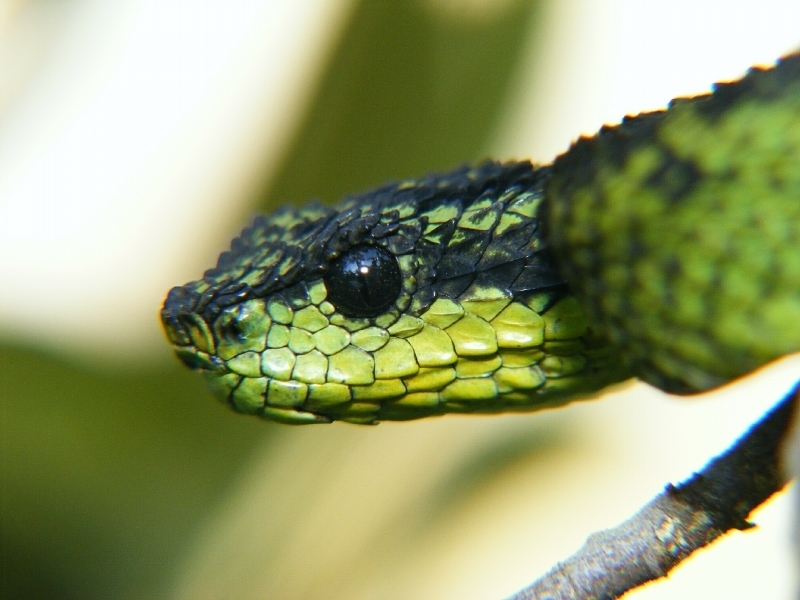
(414, 299)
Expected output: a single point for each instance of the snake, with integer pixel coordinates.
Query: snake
(663, 248)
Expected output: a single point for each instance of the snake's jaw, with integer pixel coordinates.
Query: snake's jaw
(417, 299)
(222, 351)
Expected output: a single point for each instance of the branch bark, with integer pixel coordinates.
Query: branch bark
(678, 521)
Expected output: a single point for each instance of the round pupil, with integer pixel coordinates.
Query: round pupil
(363, 282)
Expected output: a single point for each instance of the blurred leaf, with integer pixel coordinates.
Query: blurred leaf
(104, 478)
(407, 92)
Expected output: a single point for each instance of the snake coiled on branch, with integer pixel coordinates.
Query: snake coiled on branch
(663, 248)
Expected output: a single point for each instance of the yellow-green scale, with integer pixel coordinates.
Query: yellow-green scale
(477, 356)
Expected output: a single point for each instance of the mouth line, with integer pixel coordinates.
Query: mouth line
(236, 391)
(198, 360)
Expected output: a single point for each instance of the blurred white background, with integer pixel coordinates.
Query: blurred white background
(133, 136)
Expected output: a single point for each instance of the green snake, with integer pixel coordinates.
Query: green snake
(663, 248)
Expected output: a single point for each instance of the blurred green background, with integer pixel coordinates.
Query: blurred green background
(105, 476)
(123, 478)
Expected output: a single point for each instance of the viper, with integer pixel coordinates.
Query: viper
(664, 248)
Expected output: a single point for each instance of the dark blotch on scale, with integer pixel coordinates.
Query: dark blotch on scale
(363, 282)
(675, 178)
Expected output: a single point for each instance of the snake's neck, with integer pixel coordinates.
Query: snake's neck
(678, 231)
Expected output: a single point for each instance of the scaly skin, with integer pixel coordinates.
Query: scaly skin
(674, 231)
(482, 322)
(680, 230)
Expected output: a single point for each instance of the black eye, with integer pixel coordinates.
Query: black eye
(363, 282)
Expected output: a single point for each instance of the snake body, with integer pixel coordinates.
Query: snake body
(662, 248)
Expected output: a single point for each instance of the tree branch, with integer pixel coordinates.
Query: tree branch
(678, 521)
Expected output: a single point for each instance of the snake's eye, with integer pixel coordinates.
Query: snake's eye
(363, 282)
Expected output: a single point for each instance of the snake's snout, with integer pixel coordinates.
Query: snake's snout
(176, 315)
(189, 333)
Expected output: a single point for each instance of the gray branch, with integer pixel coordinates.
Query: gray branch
(678, 521)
